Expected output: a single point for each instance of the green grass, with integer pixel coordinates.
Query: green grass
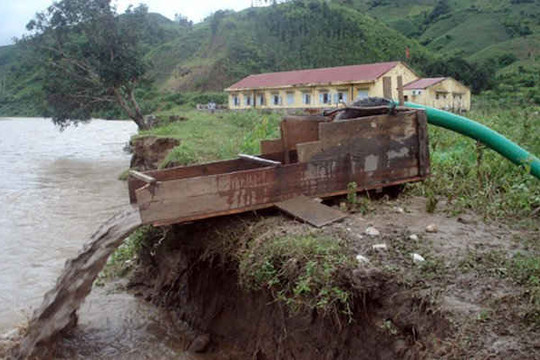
(472, 177)
(207, 137)
(303, 271)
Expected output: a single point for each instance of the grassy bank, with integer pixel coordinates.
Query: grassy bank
(207, 137)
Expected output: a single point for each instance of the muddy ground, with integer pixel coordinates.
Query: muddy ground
(463, 302)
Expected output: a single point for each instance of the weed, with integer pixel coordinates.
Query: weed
(123, 175)
(302, 271)
(352, 198)
(484, 315)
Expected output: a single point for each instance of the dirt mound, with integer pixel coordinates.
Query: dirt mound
(150, 151)
(242, 280)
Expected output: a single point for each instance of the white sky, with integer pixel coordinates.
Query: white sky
(15, 14)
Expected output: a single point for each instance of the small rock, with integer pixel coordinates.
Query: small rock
(362, 259)
(200, 343)
(319, 200)
(371, 231)
(417, 258)
(413, 237)
(380, 247)
(399, 210)
(468, 220)
(359, 237)
(432, 228)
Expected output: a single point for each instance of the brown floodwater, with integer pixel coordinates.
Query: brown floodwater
(55, 189)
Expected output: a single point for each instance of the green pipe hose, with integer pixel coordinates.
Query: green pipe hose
(485, 135)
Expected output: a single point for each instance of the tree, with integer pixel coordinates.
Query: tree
(441, 8)
(92, 58)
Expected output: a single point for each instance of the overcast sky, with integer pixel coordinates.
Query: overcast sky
(15, 14)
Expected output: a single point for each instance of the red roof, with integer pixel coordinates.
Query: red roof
(365, 72)
(422, 83)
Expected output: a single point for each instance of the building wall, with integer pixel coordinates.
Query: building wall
(297, 96)
(352, 91)
(400, 69)
(448, 94)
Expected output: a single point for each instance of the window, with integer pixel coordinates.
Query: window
(306, 98)
(324, 98)
(260, 100)
(362, 94)
(247, 100)
(236, 100)
(341, 97)
(290, 98)
(440, 95)
(276, 99)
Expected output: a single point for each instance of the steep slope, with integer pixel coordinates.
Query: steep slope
(229, 46)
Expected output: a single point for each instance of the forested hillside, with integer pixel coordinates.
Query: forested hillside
(229, 46)
(471, 40)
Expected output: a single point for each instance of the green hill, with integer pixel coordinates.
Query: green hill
(467, 39)
(229, 46)
(478, 30)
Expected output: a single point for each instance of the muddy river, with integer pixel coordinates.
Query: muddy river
(55, 189)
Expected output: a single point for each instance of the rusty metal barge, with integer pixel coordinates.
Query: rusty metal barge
(316, 156)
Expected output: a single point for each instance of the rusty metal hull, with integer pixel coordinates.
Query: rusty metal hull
(319, 159)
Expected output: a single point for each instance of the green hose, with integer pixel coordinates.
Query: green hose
(485, 135)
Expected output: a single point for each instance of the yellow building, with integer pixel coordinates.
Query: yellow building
(323, 88)
(441, 93)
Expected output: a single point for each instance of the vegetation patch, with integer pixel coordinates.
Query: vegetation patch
(125, 257)
(470, 176)
(305, 271)
(209, 137)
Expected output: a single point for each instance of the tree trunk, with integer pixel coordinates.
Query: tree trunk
(134, 112)
(139, 116)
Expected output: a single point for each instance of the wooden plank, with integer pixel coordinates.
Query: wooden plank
(284, 142)
(199, 197)
(271, 146)
(259, 160)
(182, 172)
(310, 211)
(307, 150)
(298, 131)
(423, 144)
(387, 87)
(176, 220)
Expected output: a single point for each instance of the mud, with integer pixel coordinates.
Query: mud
(150, 151)
(401, 310)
